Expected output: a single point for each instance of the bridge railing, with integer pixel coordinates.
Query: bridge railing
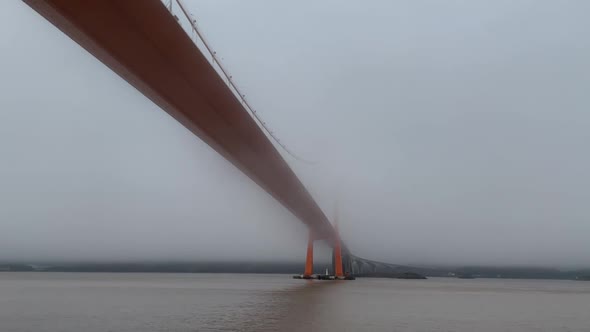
(189, 24)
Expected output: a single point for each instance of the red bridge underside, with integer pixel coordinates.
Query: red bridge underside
(143, 43)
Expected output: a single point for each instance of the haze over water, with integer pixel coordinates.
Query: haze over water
(71, 302)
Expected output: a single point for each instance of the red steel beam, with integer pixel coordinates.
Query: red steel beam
(141, 41)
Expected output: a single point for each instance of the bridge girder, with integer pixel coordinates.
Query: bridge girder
(142, 42)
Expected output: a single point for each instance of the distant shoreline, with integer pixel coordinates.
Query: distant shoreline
(290, 268)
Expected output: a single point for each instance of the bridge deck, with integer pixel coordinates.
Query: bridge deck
(143, 43)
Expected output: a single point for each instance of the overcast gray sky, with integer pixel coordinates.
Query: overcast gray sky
(451, 132)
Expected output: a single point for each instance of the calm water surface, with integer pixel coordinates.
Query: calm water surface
(68, 302)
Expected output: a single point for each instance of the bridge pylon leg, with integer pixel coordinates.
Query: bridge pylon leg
(338, 271)
(309, 258)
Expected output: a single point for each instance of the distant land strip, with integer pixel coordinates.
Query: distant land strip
(292, 268)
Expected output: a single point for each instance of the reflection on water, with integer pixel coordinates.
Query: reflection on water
(207, 302)
(290, 309)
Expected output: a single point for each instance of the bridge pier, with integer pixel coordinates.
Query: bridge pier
(309, 257)
(337, 263)
(337, 254)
